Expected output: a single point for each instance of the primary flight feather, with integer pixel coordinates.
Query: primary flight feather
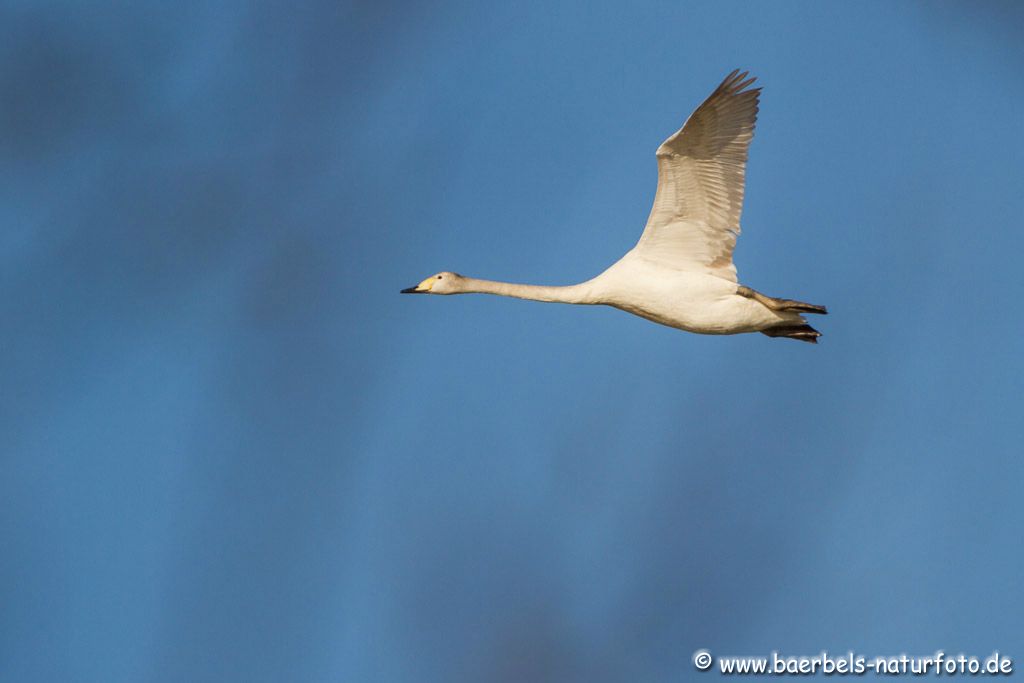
(681, 272)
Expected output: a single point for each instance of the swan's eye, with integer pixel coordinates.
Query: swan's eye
(438, 277)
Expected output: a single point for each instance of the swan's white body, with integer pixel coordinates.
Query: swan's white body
(691, 301)
(681, 272)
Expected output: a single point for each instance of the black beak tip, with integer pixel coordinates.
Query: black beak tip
(409, 290)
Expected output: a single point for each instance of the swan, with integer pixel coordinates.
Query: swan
(681, 272)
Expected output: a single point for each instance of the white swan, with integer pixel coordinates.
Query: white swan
(681, 272)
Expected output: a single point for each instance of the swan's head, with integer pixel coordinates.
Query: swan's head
(442, 283)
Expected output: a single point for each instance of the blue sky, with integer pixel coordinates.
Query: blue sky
(232, 451)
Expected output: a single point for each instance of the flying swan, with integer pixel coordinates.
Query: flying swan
(681, 273)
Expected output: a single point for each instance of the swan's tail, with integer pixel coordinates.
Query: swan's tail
(803, 332)
(796, 327)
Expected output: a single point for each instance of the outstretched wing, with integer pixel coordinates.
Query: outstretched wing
(696, 215)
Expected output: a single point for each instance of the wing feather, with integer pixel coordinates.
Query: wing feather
(696, 214)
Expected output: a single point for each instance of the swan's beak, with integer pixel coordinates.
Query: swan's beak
(421, 288)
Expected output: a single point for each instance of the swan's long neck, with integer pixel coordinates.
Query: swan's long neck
(573, 294)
